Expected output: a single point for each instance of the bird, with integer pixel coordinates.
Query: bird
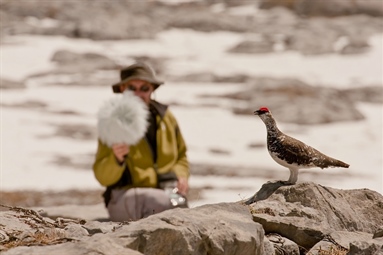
(292, 153)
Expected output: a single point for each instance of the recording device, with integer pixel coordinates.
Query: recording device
(168, 182)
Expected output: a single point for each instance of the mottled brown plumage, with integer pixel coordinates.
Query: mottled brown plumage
(292, 153)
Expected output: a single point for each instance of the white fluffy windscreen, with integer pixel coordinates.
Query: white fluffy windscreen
(123, 119)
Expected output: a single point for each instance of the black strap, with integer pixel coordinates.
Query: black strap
(125, 179)
(151, 133)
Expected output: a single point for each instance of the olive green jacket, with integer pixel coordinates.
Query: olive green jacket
(171, 155)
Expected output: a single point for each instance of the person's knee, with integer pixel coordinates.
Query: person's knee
(156, 201)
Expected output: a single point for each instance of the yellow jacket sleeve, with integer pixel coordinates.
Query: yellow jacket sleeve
(106, 168)
(181, 167)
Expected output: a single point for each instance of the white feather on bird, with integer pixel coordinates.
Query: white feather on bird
(123, 119)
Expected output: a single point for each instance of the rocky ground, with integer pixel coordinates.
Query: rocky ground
(305, 218)
(290, 29)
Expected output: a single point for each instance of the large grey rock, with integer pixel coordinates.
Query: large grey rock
(268, 247)
(378, 233)
(9, 84)
(289, 99)
(97, 244)
(79, 69)
(316, 38)
(225, 228)
(338, 240)
(328, 8)
(370, 94)
(253, 47)
(94, 227)
(208, 77)
(10, 222)
(306, 212)
(373, 247)
(282, 245)
(204, 20)
(75, 231)
(86, 61)
(26, 227)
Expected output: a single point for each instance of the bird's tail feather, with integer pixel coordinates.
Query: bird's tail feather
(341, 164)
(337, 163)
(330, 162)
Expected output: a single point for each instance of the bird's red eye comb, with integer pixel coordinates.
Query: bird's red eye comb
(263, 109)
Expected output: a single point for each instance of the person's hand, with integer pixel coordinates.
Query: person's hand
(120, 150)
(183, 186)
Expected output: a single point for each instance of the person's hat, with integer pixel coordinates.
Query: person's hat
(138, 71)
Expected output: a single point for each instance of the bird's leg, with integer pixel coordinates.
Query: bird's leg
(293, 176)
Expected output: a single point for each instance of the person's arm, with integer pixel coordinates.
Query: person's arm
(181, 168)
(120, 151)
(107, 168)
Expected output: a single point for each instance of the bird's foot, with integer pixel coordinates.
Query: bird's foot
(286, 182)
(274, 182)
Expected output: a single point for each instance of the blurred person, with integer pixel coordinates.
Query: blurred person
(152, 175)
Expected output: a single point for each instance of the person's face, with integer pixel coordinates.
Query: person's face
(142, 89)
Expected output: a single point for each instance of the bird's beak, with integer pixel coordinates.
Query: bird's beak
(256, 112)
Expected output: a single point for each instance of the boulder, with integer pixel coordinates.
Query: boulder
(289, 99)
(97, 244)
(368, 94)
(225, 228)
(75, 231)
(282, 245)
(95, 227)
(253, 47)
(378, 233)
(338, 241)
(208, 77)
(327, 8)
(306, 212)
(10, 84)
(373, 246)
(206, 21)
(268, 247)
(79, 69)
(89, 61)
(315, 38)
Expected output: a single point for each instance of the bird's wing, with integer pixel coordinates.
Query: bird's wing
(294, 151)
(303, 154)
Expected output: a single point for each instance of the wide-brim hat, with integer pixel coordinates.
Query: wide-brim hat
(138, 71)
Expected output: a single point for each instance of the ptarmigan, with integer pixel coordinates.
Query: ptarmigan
(292, 153)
